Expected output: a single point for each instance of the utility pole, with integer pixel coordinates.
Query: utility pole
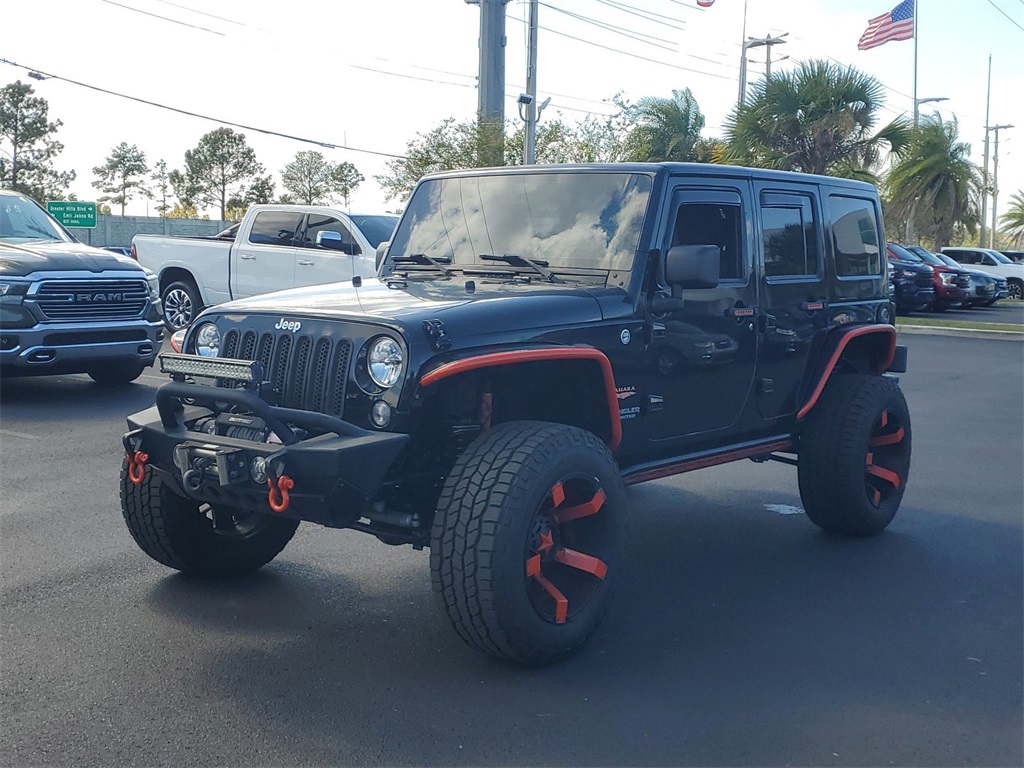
(755, 42)
(531, 88)
(491, 81)
(995, 186)
(984, 166)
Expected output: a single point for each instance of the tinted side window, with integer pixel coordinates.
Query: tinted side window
(275, 228)
(965, 257)
(790, 235)
(855, 239)
(321, 223)
(716, 224)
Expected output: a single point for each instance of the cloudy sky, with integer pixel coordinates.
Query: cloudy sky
(371, 75)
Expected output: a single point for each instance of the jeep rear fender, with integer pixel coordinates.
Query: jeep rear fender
(493, 360)
(870, 348)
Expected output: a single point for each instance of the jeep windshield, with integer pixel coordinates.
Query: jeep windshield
(584, 223)
(22, 220)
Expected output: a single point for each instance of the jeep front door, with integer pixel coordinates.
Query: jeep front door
(700, 359)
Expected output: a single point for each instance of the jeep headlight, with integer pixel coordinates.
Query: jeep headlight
(385, 362)
(208, 340)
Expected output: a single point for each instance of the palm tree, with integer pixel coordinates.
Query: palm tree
(1013, 220)
(818, 118)
(665, 130)
(934, 187)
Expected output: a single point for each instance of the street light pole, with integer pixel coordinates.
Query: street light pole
(531, 88)
(984, 167)
(756, 42)
(919, 102)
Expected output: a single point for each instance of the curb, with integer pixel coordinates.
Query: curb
(969, 333)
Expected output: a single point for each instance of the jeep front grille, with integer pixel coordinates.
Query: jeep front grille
(91, 300)
(304, 373)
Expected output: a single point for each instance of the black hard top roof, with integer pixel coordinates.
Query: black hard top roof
(674, 169)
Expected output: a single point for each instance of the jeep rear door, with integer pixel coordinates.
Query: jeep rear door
(700, 359)
(793, 290)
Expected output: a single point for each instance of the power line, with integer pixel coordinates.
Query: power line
(626, 53)
(203, 13)
(631, 34)
(648, 15)
(325, 144)
(164, 18)
(1018, 26)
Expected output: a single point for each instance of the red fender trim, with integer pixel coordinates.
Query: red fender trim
(845, 337)
(532, 355)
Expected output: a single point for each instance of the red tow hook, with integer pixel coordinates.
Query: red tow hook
(278, 496)
(137, 466)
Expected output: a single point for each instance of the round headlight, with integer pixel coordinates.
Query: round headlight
(385, 362)
(208, 340)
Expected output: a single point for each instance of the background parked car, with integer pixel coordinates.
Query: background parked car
(984, 289)
(1017, 256)
(913, 281)
(951, 284)
(994, 263)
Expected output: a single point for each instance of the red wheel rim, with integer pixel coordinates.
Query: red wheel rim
(566, 548)
(885, 468)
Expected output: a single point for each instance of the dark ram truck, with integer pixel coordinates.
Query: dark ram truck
(539, 338)
(66, 307)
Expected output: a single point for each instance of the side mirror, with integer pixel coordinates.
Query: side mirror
(693, 266)
(688, 266)
(382, 251)
(331, 240)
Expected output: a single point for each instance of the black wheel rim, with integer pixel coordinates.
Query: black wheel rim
(178, 308)
(885, 467)
(233, 523)
(566, 548)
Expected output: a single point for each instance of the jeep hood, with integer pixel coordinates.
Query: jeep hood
(24, 258)
(471, 307)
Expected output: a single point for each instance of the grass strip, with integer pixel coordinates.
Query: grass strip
(967, 325)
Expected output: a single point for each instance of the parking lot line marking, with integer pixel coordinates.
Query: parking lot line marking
(154, 377)
(12, 433)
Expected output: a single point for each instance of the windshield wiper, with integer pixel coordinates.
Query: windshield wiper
(438, 262)
(516, 260)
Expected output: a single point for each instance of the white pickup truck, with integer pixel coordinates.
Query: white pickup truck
(273, 247)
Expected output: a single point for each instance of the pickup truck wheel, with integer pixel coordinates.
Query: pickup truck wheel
(854, 457)
(526, 538)
(117, 373)
(1016, 289)
(196, 538)
(181, 304)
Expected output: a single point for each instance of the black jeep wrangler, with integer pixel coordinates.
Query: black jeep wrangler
(539, 338)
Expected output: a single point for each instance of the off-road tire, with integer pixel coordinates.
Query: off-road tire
(113, 374)
(181, 304)
(841, 443)
(485, 521)
(174, 531)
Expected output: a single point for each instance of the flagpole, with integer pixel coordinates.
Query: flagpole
(915, 63)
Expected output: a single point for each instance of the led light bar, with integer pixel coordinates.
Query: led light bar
(214, 367)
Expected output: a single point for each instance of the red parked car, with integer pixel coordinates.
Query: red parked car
(951, 285)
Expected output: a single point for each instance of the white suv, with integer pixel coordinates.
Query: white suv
(993, 262)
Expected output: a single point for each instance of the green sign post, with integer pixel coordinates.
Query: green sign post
(72, 213)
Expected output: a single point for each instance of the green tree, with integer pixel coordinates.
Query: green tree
(450, 146)
(665, 130)
(217, 170)
(28, 145)
(161, 187)
(122, 175)
(819, 118)
(1013, 220)
(260, 192)
(933, 187)
(312, 179)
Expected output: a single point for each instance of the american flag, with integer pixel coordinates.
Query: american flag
(898, 24)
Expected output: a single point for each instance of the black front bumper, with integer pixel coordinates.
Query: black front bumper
(335, 474)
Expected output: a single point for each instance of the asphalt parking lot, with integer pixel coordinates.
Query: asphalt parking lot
(740, 636)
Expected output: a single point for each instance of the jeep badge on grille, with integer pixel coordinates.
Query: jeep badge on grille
(288, 325)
